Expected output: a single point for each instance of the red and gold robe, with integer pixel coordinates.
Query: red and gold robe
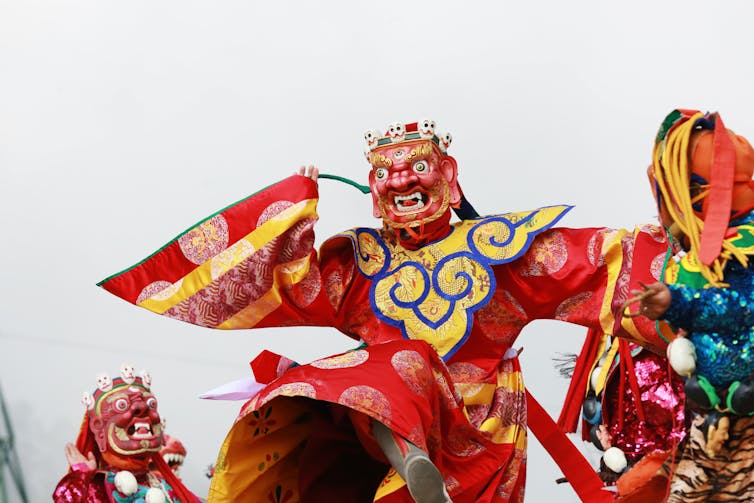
(437, 325)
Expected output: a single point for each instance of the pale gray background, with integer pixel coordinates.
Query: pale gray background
(123, 123)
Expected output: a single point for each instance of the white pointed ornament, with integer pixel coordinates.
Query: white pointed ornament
(125, 482)
(426, 128)
(371, 136)
(595, 378)
(396, 131)
(445, 141)
(682, 356)
(104, 383)
(87, 400)
(155, 495)
(127, 373)
(615, 459)
(146, 378)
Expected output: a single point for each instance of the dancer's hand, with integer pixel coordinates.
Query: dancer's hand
(75, 457)
(655, 300)
(310, 172)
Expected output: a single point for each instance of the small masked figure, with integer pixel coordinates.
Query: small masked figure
(116, 457)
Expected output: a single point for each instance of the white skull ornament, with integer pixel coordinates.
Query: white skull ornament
(127, 373)
(104, 383)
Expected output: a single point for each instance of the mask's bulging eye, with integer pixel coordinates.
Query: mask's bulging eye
(152, 402)
(380, 173)
(421, 166)
(121, 405)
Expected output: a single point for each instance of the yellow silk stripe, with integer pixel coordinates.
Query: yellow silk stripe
(284, 275)
(391, 483)
(613, 252)
(512, 434)
(476, 394)
(515, 434)
(614, 259)
(600, 351)
(606, 365)
(663, 328)
(204, 274)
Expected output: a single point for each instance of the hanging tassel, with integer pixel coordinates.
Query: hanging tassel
(590, 352)
(628, 369)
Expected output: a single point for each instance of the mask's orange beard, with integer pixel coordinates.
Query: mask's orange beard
(415, 227)
(123, 462)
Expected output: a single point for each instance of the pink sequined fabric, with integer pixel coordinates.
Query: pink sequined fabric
(662, 399)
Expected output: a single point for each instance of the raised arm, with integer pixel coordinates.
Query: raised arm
(583, 276)
(250, 265)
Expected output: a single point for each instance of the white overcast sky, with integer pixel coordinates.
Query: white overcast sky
(123, 123)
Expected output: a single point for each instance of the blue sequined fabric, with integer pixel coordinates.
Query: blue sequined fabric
(720, 323)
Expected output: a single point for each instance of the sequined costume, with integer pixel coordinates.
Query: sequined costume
(632, 408)
(437, 316)
(702, 180)
(81, 486)
(720, 321)
(116, 457)
(659, 406)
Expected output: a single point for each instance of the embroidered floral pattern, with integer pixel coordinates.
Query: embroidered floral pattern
(465, 372)
(346, 360)
(305, 291)
(232, 255)
(656, 268)
(334, 287)
(269, 459)
(549, 255)
(449, 397)
(461, 443)
(292, 389)
(510, 478)
(159, 290)
(367, 399)
(595, 247)
(280, 495)
(572, 305)
(502, 319)
(413, 369)
(273, 210)
(261, 421)
(205, 240)
(247, 282)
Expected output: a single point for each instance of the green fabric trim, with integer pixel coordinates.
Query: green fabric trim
(691, 279)
(709, 390)
(668, 256)
(731, 390)
(363, 188)
(181, 234)
(670, 120)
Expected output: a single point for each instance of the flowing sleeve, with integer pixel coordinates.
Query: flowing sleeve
(251, 264)
(584, 276)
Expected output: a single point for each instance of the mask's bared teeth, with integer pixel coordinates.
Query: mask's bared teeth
(415, 200)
